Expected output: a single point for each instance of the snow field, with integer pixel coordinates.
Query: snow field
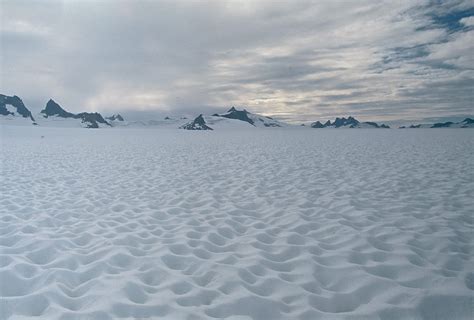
(236, 224)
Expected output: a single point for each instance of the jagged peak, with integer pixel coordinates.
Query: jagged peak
(17, 103)
(200, 119)
(197, 124)
(350, 122)
(54, 109)
(53, 104)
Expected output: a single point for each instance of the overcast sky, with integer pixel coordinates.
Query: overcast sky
(297, 60)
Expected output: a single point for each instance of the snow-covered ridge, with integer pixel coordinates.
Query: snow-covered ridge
(254, 119)
(233, 118)
(466, 123)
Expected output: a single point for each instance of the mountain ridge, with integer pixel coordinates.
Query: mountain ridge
(90, 119)
(13, 106)
(349, 122)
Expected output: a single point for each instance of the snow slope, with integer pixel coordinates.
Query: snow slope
(236, 224)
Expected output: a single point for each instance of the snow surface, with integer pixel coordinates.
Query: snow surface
(236, 224)
(51, 121)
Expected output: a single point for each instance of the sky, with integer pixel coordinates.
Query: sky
(295, 60)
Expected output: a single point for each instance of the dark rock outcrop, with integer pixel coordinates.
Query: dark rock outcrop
(374, 124)
(317, 125)
(467, 123)
(442, 124)
(268, 125)
(197, 124)
(54, 109)
(339, 122)
(115, 117)
(91, 120)
(17, 103)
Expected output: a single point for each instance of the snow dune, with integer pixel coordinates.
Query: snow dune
(261, 224)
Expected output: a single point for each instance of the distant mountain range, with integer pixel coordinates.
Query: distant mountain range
(14, 111)
(466, 123)
(347, 123)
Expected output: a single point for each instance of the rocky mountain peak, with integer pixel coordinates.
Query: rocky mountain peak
(197, 124)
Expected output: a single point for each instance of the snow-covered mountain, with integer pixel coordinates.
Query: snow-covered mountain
(14, 110)
(466, 123)
(197, 124)
(218, 123)
(349, 122)
(54, 112)
(251, 118)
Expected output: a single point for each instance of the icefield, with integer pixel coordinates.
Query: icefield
(281, 223)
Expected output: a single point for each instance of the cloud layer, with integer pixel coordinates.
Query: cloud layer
(298, 60)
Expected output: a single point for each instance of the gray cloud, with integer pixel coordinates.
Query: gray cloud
(298, 60)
